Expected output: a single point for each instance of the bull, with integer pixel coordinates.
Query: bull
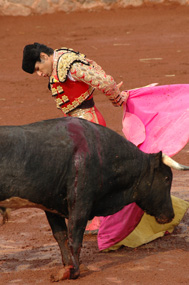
(73, 169)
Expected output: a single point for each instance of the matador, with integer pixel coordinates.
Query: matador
(72, 80)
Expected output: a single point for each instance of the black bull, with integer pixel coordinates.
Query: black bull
(75, 169)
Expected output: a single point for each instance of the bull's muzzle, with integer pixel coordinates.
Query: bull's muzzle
(164, 219)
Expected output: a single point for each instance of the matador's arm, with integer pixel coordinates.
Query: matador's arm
(96, 77)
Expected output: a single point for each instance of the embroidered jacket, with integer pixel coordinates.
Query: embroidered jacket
(74, 78)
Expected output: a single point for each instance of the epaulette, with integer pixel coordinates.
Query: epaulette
(66, 60)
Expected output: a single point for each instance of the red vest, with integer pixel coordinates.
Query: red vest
(70, 94)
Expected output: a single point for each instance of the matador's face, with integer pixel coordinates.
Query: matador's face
(45, 66)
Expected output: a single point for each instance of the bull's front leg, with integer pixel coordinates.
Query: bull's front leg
(76, 227)
(59, 229)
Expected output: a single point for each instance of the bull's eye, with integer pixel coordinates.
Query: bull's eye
(167, 178)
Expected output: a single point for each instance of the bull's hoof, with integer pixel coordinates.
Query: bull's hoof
(83, 268)
(68, 272)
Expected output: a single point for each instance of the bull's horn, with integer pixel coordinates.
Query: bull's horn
(172, 163)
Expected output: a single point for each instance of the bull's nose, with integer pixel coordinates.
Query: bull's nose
(164, 219)
(171, 217)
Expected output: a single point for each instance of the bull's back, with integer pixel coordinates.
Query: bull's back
(73, 141)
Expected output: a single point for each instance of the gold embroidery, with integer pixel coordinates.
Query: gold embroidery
(65, 62)
(96, 77)
(54, 91)
(65, 98)
(57, 90)
(59, 102)
(69, 106)
(95, 116)
(77, 101)
(57, 105)
(62, 100)
(60, 89)
(88, 114)
(53, 80)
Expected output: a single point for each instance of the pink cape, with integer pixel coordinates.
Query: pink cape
(157, 118)
(154, 119)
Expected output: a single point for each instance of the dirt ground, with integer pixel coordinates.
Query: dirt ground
(136, 45)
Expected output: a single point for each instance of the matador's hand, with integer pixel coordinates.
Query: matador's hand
(123, 96)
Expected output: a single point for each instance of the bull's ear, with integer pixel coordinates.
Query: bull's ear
(158, 159)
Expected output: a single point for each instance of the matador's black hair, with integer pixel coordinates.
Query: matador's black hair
(31, 54)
